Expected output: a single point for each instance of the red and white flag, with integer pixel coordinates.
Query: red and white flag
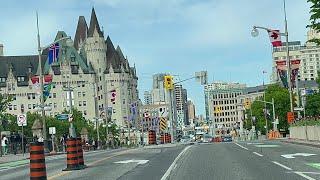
(275, 38)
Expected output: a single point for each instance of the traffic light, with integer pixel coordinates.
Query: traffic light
(247, 104)
(296, 99)
(168, 82)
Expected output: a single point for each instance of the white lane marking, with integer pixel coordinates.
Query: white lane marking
(132, 161)
(305, 176)
(287, 168)
(266, 145)
(254, 143)
(241, 146)
(257, 154)
(165, 176)
(316, 173)
(291, 156)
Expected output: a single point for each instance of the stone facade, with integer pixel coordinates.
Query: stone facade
(92, 66)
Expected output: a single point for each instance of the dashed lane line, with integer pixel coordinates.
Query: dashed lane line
(257, 154)
(241, 146)
(305, 176)
(281, 165)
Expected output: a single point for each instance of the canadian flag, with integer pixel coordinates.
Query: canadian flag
(275, 38)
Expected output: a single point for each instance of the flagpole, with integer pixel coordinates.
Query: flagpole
(288, 56)
(44, 128)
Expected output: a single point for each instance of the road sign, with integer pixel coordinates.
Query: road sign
(292, 156)
(163, 124)
(22, 120)
(52, 130)
(163, 112)
(298, 109)
(63, 116)
(290, 117)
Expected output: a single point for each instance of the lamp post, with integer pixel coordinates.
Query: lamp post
(255, 33)
(42, 107)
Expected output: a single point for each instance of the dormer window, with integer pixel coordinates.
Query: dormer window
(20, 78)
(2, 79)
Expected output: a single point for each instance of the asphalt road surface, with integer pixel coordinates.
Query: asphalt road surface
(263, 160)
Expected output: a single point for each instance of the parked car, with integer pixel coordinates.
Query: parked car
(226, 138)
(207, 138)
(185, 139)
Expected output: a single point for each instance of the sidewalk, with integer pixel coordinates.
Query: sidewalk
(302, 142)
(11, 157)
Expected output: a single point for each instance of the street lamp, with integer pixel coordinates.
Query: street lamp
(255, 33)
(42, 107)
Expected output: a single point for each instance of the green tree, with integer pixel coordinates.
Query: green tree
(5, 100)
(314, 18)
(282, 106)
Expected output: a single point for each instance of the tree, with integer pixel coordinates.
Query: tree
(313, 101)
(282, 106)
(5, 100)
(314, 18)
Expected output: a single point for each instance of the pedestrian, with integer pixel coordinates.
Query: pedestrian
(4, 144)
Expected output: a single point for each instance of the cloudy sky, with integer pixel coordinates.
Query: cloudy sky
(174, 36)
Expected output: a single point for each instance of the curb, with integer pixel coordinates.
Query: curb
(303, 143)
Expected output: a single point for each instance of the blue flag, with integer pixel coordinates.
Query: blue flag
(53, 53)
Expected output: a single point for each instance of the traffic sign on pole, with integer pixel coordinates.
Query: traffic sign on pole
(22, 120)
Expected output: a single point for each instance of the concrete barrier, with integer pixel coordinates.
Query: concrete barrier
(311, 133)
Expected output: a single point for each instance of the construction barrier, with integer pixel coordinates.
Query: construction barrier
(152, 137)
(37, 161)
(167, 137)
(80, 154)
(273, 134)
(72, 155)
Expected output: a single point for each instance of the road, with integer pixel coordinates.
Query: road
(263, 160)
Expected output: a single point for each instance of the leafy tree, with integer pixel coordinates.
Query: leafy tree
(314, 18)
(4, 102)
(282, 106)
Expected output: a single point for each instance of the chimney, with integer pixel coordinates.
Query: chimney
(1, 49)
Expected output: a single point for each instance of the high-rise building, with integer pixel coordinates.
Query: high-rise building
(147, 98)
(158, 92)
(180, 102)
(308, 53)
(191, 111)
(92, 66)
(222, 106)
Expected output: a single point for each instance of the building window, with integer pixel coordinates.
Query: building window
(54, 95)
(85, 112)
(33, 106)
(83, 94)
(84, 103)
(80, 103)
(29, 106)
(113, 110)
(10, 107)
(15, 107)
(33, 96)
(55, 105)
(79, 94)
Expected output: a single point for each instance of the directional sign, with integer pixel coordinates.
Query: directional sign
(22, 120)
(132, 161)
(292, 156)
(62, 116)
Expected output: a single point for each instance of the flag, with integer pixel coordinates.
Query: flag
(46, 90)
(275, 38)
(112, 95)
(53, 53)
(295, 64)
(282, 71)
